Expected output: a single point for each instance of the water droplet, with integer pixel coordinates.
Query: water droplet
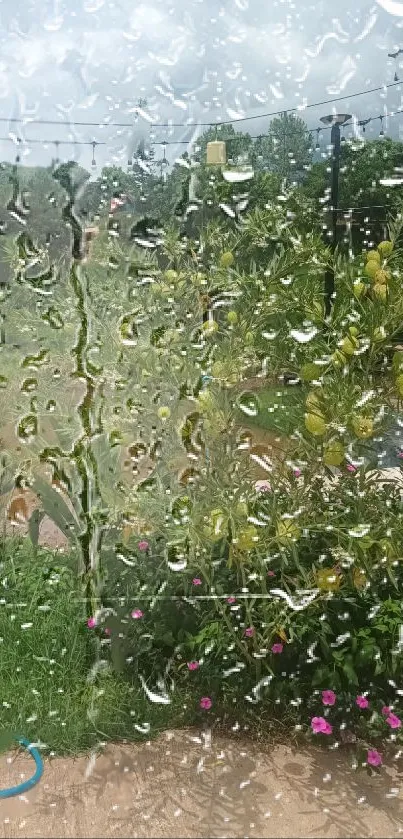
(29, 384)
(249, 404)
(303, 337)
(27, 427)
(359, 531)
(233, 176)
(128, 331)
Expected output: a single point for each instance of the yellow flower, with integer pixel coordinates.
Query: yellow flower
(328, 579)
(363, 427)
(287, 531)
(359, 578)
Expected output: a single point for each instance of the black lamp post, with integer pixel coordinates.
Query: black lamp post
(335, 120)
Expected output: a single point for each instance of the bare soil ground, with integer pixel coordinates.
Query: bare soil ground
(187, 785)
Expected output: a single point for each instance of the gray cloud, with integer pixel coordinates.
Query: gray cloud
(192, 59)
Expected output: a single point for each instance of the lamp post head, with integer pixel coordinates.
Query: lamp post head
(335, 119)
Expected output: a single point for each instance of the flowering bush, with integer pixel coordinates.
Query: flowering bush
(276, 573)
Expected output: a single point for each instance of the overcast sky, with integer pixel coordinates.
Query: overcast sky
(193, 60)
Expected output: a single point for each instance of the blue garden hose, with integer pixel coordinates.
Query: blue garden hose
(26, 785)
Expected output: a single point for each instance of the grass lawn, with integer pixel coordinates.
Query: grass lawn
(46, 655)
(279, 408)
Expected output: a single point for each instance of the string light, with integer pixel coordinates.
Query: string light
(93, 161)
(381, 133)
(294, 109)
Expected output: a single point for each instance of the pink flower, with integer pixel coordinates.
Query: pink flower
(386, 711)
(231, 600)
(277, 648)
(143, 545)
(351, 468)
(362, 702)
(328, 697)
(196, 581)
(193, 665)
(393, 721)
(400, 454)
(136, 614)
(249, 632)
(91, 623)
(271, 574)
(107, 631)
(262, 486)
(205, 703)
(297, 473)
(320, 726)
(373, 757)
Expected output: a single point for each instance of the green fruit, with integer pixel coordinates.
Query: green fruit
(371, 268)
(232, 317)
(247, 538)
(397, 363)
(226, 259)
(170, 276)
(363, 427)
(385, 248)
(164, 412)
(334, 453)
(399, 384)
(373, 255)
(287, 531)
(381, 277)
(315, 424)
(309, 372)
(218, 525)
(359, 290)
(241, 508)
(380, 291)
(210, 326)
(249, 338)
(353, 331)
(349, 345)
(379, 334)
(338, 359)
(312, 403)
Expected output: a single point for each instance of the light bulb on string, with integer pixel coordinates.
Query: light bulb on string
(317, 146)
(93, 161)
(381, 133)
(164, 163)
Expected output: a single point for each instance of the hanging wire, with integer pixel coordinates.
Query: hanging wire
(363, 123)
(57, 143)
(317, 145)
(294, 109)
(381, 133)
(395, 56)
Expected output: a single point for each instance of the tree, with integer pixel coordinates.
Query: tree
(363, 166)
(285, 149)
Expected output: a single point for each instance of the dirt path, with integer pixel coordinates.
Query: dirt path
(187, 786)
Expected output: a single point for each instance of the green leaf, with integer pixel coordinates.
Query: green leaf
(350, 672)
(34, 525)
(56, 508)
